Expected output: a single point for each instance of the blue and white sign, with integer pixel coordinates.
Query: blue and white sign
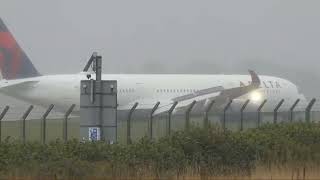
(94, 134)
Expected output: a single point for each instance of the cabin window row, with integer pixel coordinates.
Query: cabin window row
(129, 90)
(273, 91)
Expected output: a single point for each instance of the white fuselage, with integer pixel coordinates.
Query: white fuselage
(63, 90)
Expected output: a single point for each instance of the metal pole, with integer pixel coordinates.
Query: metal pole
(44, 124)
(129, 123)
(275, 111)
(187, 125)
(4, 112)
(259, 111)
(98, 91)
(23, 119)
(308, 109)
(292, 109)
(241, 115)
(65, 123)
(206, 112)
(169, 117)
(151, 119)
(224, 114)
(98, 68)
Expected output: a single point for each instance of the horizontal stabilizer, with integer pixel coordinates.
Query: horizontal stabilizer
(4, 85)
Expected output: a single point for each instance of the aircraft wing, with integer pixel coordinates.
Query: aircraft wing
(219, 94)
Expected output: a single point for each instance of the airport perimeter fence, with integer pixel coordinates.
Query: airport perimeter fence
(47, 125)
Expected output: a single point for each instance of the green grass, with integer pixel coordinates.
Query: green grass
(196, 153)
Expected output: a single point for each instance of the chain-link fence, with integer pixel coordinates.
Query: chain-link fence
(37, 124)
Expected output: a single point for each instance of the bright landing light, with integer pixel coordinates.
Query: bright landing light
(255, 96)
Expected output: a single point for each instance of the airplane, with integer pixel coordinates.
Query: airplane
(21, 80)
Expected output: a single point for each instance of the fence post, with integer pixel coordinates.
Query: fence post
(23, 119)
(308, 109)
(259, 111)
(3, 113)
(275, 111)
(241, 113)
(129, 123)
(292, 109)
(224, 114)
(151, 119)
(169, 116)
(189, 108)
(206, 112)
(65, 123)
(44, 124)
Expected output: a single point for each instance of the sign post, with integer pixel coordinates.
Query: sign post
(98, 105)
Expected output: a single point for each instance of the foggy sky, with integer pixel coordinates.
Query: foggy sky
(273, 37)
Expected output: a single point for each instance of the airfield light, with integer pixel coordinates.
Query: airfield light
(255, 96)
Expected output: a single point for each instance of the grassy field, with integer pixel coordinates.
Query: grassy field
(279, 151)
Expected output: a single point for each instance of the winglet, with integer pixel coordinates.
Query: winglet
(255, 79)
